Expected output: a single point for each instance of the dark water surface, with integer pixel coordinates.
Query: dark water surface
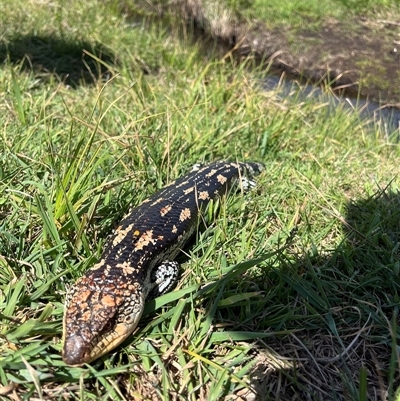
(385, 117)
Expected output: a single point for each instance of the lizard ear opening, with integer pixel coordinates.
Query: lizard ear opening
(130, 319)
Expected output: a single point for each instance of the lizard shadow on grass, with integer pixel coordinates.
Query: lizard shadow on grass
(350, 301)
(72, 62)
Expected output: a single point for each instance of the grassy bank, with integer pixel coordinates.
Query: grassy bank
(291, 291)
(294, 13)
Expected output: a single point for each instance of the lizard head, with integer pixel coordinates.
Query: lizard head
(98, 318)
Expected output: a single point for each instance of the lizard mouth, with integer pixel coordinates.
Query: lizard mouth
(78, 351)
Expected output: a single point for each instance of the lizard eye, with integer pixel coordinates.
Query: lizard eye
(108, 325)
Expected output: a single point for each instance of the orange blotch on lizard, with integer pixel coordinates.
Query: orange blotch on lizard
(221, 179)
(185, 214)
(108, 300)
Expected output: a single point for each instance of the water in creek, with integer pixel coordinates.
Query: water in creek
(388, 118)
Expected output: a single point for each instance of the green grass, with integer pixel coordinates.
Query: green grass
(311, 13)
(291, 291)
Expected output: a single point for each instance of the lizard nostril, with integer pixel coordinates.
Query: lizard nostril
(75, 351)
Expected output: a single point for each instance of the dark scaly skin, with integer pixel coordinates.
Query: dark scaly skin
(105, 305)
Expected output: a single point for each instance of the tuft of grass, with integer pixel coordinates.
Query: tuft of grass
(290, 291)
(295, 13)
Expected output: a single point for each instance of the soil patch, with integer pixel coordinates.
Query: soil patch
(359, 56)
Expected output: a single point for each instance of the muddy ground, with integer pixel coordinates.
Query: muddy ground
(360, 55)
(363, 60)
